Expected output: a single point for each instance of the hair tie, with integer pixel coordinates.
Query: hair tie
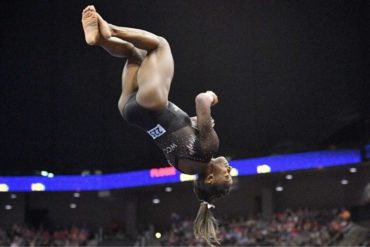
(209, 205)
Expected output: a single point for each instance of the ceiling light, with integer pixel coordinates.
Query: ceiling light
(353, 170)
(289, 177)
(279, 188)
(156, 201)
(344, 182)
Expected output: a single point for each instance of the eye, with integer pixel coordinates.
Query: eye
(228, 168)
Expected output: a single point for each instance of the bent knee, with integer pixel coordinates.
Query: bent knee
(162, 42)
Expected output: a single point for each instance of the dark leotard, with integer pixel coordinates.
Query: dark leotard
(171, 129)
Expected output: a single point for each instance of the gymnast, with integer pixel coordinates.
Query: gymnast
(188, 143)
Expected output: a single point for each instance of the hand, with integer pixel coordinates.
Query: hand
(214, 96)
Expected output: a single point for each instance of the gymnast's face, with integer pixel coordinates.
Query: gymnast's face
(219, 172)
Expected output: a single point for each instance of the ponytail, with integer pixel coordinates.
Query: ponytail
(205, 225)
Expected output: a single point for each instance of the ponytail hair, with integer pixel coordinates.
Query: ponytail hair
(205, 224)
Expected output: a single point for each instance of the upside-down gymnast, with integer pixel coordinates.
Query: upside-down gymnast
(187, 143)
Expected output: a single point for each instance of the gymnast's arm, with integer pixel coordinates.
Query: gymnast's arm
(208, 136)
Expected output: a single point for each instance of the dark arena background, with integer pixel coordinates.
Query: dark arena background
(292, 77)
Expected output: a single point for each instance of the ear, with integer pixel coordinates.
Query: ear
(209, 179)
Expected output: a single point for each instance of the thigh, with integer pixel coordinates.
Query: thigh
(129, 81)
(156, 72)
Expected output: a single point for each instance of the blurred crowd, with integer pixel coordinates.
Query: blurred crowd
(286, 228)
(19, 235)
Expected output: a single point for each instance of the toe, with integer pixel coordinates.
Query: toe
(86, 9)
(91, 7)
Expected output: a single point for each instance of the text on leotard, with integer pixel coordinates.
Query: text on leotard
(157, 131)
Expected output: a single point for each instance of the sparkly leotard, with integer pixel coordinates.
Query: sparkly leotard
(172, 131)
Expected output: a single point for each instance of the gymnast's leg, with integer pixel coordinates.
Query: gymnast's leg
(156, 70)
(149, 65)
(117, 48)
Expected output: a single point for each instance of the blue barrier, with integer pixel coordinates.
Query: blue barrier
(278, 163)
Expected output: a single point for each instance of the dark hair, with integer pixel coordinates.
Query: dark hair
(205, 224)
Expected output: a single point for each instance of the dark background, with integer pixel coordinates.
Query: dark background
(291, 76)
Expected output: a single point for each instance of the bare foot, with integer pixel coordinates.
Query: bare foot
(104, 28)
(90, 25)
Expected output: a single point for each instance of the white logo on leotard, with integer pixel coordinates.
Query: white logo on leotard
(157, 131)
(190, 145)
(170, 148)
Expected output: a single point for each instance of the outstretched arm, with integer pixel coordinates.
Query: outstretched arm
(209, 138)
